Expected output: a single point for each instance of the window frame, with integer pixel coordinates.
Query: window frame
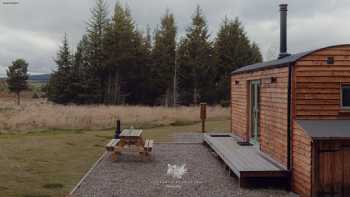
(341, 96)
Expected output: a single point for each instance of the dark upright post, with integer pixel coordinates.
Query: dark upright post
(117, 130)
(203, 115)
(283, 31)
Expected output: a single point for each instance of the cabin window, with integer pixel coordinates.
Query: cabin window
(330, 60)
(273, 80)
(345, 96)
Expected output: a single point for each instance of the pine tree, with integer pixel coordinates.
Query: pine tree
(121, 43)
(138, 77)
(163, 56)
(144, 91)
(96, 30)
(17, 77)
(255, 54)
(116, 63)
(64, 57)
(196, 61)
(79, 77)
(148, 86)
(60, 83)
(232, 51)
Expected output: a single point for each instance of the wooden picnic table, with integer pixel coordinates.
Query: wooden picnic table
(131, 141)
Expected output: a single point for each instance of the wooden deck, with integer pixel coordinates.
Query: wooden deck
(244, 161)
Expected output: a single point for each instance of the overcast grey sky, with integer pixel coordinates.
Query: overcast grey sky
(33, 29)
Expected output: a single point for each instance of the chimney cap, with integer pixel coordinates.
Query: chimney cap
(283, 7)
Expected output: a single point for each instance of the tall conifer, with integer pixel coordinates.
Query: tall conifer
(97, 25)
(196, 61)
(233, 50)
(163, 56)
(60, 86)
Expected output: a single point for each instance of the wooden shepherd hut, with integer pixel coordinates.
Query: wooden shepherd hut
(296, 110)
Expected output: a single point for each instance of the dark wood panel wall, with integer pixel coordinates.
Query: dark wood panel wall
(331, 168)
(273, 110)
(318, 83)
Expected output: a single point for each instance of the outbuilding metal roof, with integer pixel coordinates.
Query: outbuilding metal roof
(326, 129)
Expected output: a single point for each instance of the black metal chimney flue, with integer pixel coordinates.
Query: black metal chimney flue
(283, 31)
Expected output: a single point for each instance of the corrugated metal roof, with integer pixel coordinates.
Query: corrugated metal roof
(326, 129)
(272, 64)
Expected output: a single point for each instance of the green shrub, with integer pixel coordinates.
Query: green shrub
(3, 86)
(225, 103)
(35, 95)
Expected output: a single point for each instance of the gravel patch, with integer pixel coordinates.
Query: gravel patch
(187, 137)
(129, 176)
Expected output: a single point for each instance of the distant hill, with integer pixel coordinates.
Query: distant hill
(34, 81)
(42, 77)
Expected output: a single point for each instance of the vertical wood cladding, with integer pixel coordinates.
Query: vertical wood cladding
(273, 110)
(316, 94)
(301, 165)
(318, 83)
(332, 169)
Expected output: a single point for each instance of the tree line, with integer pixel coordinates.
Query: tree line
(116, 63)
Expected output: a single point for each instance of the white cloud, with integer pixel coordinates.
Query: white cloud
(34, 47)
(33, 29)
(27, 38)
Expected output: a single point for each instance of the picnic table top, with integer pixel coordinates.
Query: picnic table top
(131, 133)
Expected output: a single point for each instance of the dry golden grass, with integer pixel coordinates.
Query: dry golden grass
(33, 115)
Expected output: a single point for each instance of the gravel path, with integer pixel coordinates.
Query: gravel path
(187, 137)
(205, 176)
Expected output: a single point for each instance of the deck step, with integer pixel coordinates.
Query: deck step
(244, 161)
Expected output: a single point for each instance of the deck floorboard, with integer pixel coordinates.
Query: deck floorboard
(244, 161)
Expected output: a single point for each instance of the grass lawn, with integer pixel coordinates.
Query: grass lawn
(50, 163)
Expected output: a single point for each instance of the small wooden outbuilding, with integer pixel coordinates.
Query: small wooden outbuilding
(296, 109)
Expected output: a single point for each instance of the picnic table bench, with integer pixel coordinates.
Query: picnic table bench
(111, 144)
(130, 141)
